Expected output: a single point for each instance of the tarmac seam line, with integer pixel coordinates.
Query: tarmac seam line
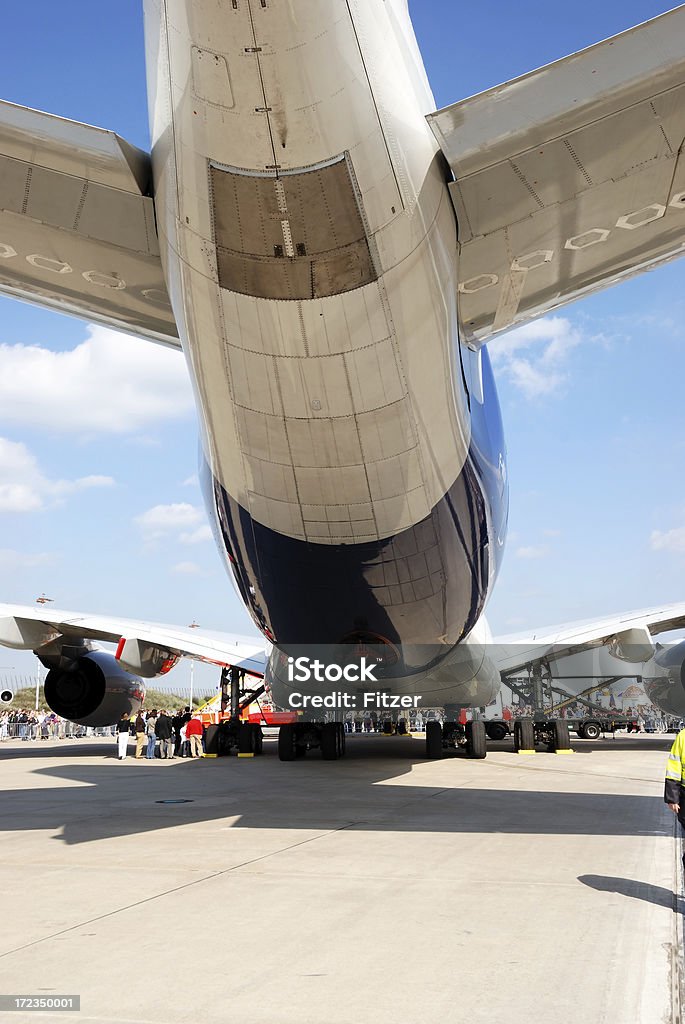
(175, 889)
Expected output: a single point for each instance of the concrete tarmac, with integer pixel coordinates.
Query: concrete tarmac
(380, 888)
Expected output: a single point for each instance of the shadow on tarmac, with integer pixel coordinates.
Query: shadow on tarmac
(655, 894)
(106, 799)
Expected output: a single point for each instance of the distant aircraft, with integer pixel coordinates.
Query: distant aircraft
(332, 255)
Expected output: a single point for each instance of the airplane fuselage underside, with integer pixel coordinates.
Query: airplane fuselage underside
(353, 458)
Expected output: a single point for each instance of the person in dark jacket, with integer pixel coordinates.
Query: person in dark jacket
(178, 722)
(163, 731)
(123, 728)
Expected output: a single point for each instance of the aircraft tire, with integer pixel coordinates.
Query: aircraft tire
(330, 743)
(433, 740)
(287, 743)
(562, 738)
(476, 741)
(524, 735)
(496, 730)
(258, 740)
(246, 743)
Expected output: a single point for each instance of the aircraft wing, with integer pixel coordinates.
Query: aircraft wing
(627, 636)
(77, 224)
(569, 178)
(146, 648)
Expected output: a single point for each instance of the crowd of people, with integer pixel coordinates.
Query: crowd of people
(26, 724)
(162, 734)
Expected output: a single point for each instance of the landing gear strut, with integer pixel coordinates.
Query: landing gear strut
(245, 738)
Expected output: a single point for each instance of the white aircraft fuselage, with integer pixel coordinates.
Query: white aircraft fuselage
(353, 459)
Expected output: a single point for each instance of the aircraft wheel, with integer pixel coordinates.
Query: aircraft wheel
(329, 741)
(258, 740)
(433, 740)
(225, 741)
(476, 743)
(246, 739)
(496, 730)
(524, 735)
(287, 743)
(562, 738)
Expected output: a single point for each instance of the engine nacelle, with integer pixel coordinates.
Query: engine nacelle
(663, 679)
(92, 689)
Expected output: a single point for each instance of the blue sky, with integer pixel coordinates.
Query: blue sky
(99, 444)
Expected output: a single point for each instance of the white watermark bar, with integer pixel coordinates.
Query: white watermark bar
(41, 1003)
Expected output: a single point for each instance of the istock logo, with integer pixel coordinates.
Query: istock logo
(302, 670)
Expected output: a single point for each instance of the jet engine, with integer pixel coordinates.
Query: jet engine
(663, 678)
(92, 689)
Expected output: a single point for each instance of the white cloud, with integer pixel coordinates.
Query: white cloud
(191, 481)
(10, 559)
(25, 488)
(532, 552)
(187, 569)
(670, 540)
(166, 518)
(186, 523)
(199, 536)
(110, 383)
(533, 357)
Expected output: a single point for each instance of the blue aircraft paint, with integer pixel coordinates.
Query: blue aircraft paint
(426, 585)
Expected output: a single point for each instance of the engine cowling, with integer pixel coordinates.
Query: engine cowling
(664, 679)
(92, 689)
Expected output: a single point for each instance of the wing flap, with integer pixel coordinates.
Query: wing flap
(569, 178)
(77, 225)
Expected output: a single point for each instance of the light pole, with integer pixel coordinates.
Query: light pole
(192, 625)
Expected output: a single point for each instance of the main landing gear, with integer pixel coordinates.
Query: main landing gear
(234, 735)
(296, 739)
(455, 736)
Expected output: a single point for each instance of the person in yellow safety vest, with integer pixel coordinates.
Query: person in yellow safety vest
(674, 795)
